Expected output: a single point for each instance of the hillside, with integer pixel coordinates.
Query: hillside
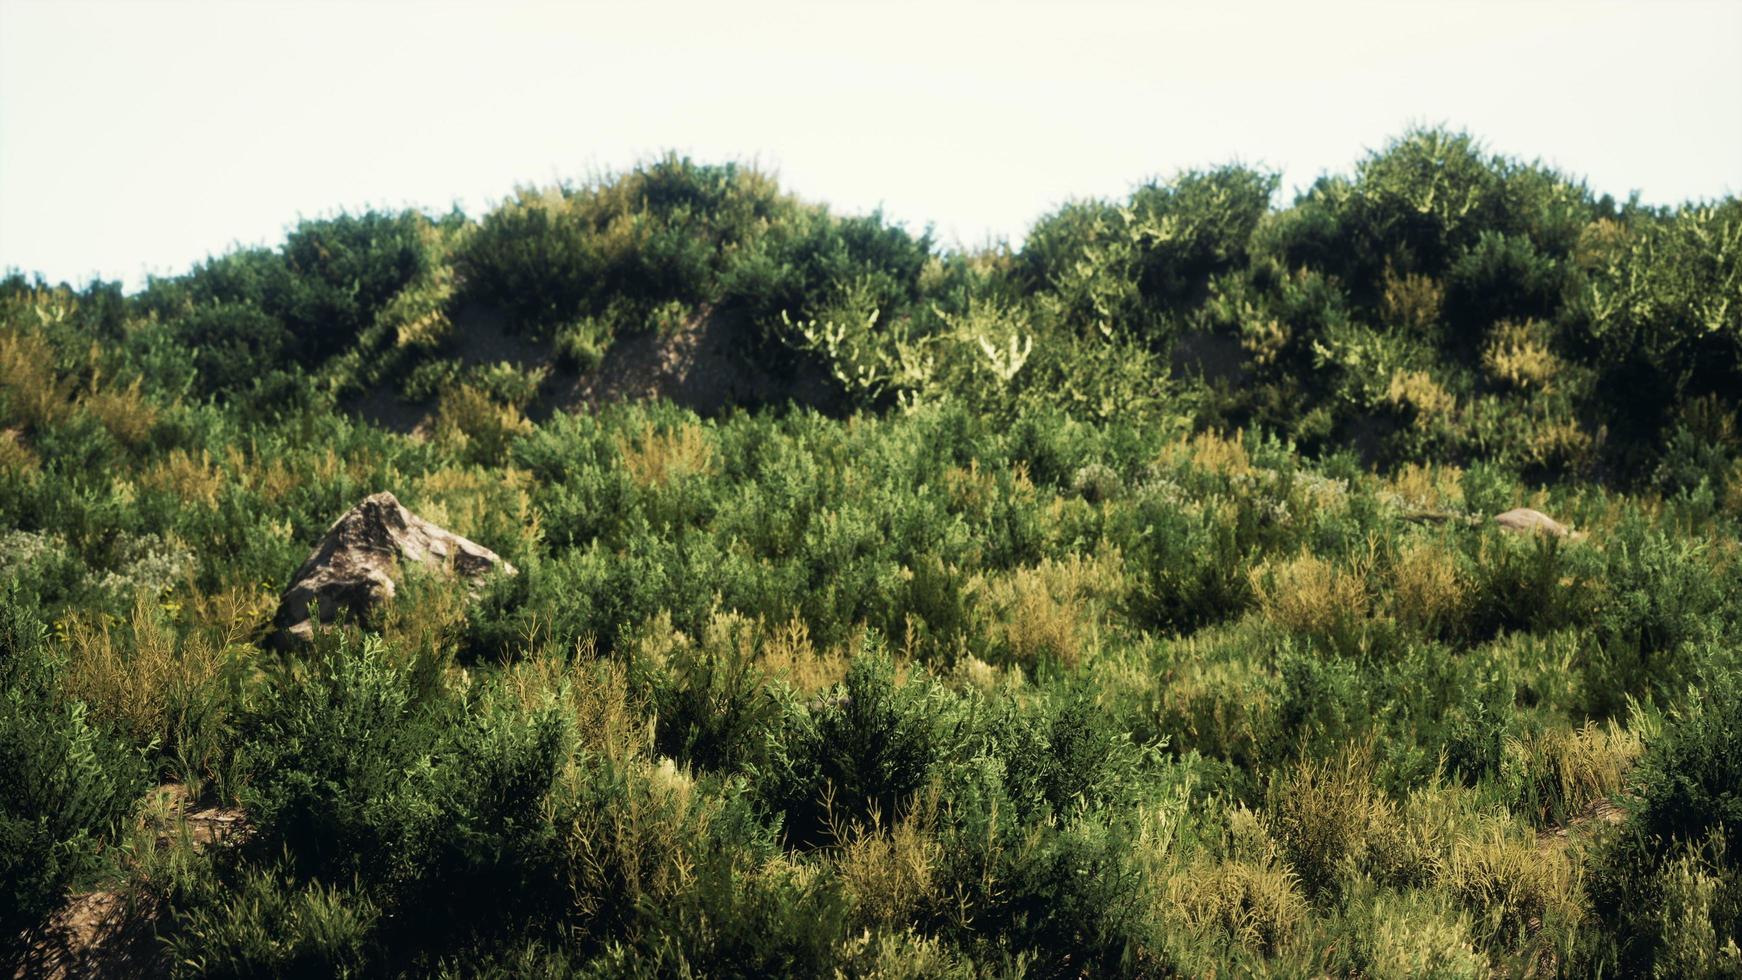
(1127, 603)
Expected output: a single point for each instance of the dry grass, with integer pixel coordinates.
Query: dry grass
(1054, 609)
(1327, 817)
(656, 459)
(1410, 301)
(637, 848)
(15, 456)
(1429, 588)
(1517, 355)
(1264, 339)
(1559, 443)
(180, 474)
(889, 874)
(470, 423)
(1432, 486)
(1210, 451)
(1218, 707)
(786, 652)
(969, 488)
(141, 674)
(1255, 905)
(1516, 891)
(1417, 390)
(1600, 242)
(33, 392)
(125, 412)
(972, 672)
(491, 507)
(904, 955)
(1562, 772)
(595, 693)
(1414, 938)
(1692, 945)
(1311, 596)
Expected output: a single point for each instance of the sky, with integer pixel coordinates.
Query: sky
(138, 137)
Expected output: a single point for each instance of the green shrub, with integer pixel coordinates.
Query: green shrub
(65, 783)
(866, 747)
(1690, 780)
(712, 703)
(431, 806)
(266, 925)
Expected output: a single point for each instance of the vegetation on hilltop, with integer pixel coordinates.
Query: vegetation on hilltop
(1055, 611)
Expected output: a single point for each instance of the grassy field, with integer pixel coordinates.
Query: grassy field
(1128, 603)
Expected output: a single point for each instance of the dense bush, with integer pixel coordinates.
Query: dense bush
(65, 782)
(1126, 603)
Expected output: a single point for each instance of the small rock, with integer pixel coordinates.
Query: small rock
(1523, 520)
(352, 569)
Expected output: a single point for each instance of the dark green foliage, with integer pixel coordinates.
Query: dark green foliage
(267, 925)
(1065, 760)
(1131, 606)
(65, 782)
(712, 704)
(1690, 782)
(1668, 888)
(725, 927)
(865, 747)
(439, 807)
(1190, 568)
(1499, 278)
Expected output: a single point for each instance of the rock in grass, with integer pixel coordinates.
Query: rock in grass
(1523, 520)
(352, 570)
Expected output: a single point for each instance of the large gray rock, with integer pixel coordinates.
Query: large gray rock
(1523, 520)
(354, 567)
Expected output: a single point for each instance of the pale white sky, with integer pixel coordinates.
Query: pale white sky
(140, 136)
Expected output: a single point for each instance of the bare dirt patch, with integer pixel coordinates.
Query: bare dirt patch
(703, 365)
(112, 933)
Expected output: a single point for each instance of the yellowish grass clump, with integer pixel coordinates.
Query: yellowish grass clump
(1264, 338)
(15, 456)
(1331, 823)
(188, 478)
(139, 674)
(1566, 770)
(1054, 609)
(492, 507)
(904, 955)
(890, 874)
(655, 459)
(1433, 486)
(1419, 938)
(1211, 451)
(1214, 706)
(1516, 891)
(1559, 443)
(972, 489)
(1600, 242)
(1428, 585)
(787, 652)
(595, 692)
(125, 412)
(1254, 904)
(1517, 355)
(1692, 946)
(1419, 391)
(1307, 594)
(33, 393)
(1410, 301)
(636, 849)
(470, 422)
